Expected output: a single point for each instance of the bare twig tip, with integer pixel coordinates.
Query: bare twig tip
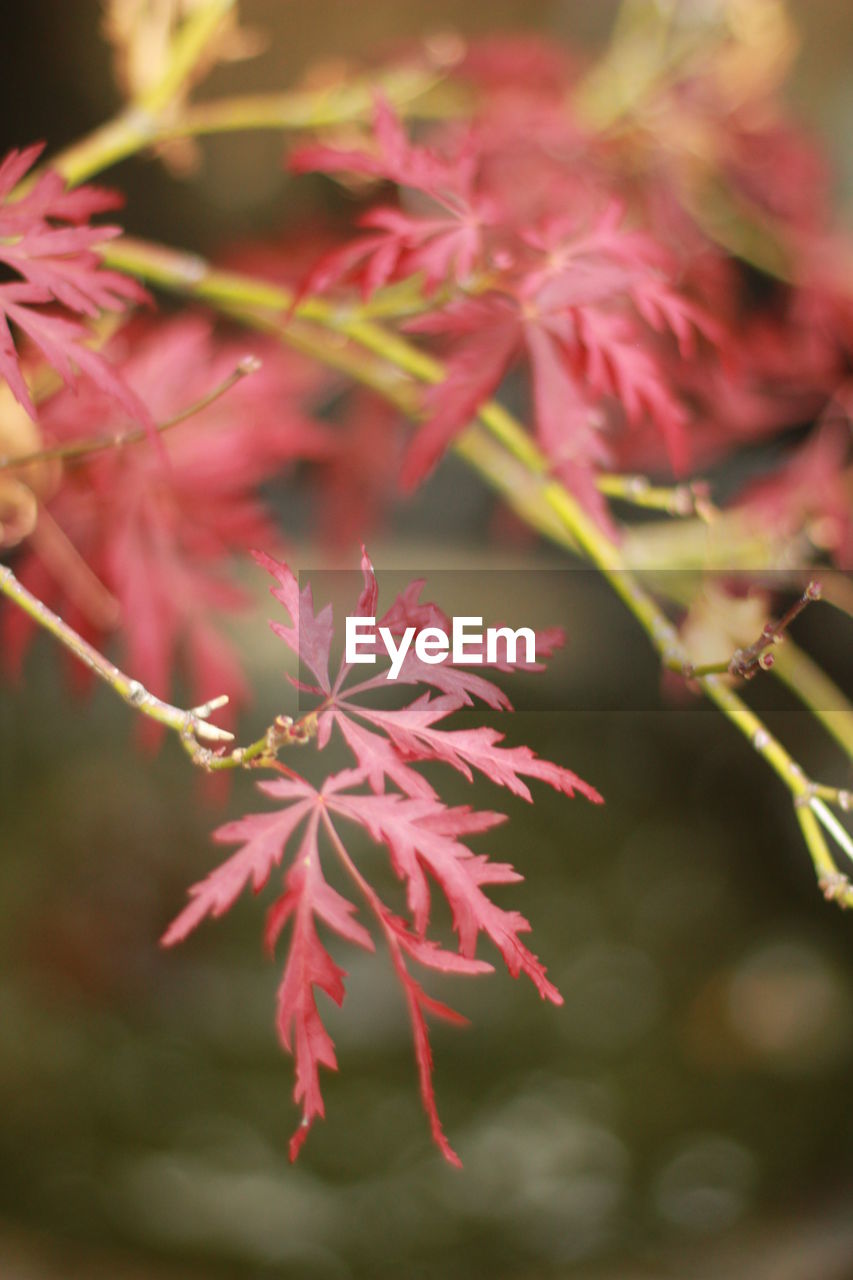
(207, 708)
(211, 732)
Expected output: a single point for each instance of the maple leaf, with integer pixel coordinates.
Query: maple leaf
(412, 731)
(385, 743)
(424, 839)
(443, 240)
(577, 313)
(46, 242)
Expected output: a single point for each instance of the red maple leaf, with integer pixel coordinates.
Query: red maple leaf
(424, 839)
(443, 239)
(45, 240)
(580, 314)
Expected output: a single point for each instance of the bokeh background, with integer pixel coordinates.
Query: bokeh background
(687, 1113)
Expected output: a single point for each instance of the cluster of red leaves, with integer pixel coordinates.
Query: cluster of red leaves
(424, 838)
(158, 531)
(47, 242)
(580, 298)
(589, 258)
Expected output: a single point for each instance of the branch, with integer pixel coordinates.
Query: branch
(192, 726)
(690, 499)
(193, 722)
(143, 125)
(805, 679)
(746, 663)
(546, 503)
(188, 48)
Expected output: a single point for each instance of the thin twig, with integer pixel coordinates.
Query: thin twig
(747, 662)
(260, 754)
(77, 449)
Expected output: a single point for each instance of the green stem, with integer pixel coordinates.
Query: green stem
(685, 500)
(137, 126)
(143, 125)
(834, 885)
(799, 673)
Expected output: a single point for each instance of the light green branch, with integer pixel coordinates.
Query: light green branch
(192, 723)
(805, 679)
(145, 124)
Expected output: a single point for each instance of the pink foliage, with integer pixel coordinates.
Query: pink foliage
(46, 240)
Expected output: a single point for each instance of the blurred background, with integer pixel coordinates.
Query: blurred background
(685, 1114)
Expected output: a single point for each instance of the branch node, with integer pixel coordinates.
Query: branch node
(137, 694)
(835, 888)
(803, 799)
(210, 732)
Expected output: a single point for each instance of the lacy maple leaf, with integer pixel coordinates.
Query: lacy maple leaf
(45, 240)
(444, 240)
(424, 839)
